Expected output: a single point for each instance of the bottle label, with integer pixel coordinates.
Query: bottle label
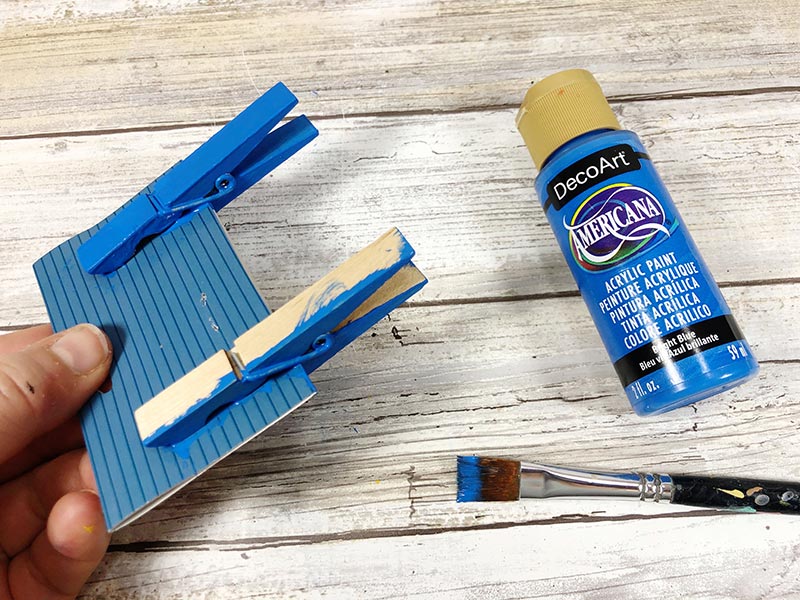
(617, 221)
(590, 171)
(651, 296)
(679, 344)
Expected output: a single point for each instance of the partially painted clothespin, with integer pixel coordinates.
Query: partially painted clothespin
(307, 331)
(232, 160)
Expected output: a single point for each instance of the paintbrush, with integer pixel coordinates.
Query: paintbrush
(484, 479)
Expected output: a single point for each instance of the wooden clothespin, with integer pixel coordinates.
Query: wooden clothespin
(306, 331)
(233, 159)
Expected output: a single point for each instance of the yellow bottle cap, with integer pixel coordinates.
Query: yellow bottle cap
(559, 108)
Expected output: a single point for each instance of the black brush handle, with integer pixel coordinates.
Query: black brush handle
(732, 492)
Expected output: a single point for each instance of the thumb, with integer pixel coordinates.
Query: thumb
(46, 383)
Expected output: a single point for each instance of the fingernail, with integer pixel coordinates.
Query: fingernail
(82, 348)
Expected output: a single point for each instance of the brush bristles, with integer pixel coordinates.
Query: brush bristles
(484, 479)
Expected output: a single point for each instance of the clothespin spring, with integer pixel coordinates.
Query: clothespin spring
(320, 346)
(224, 185)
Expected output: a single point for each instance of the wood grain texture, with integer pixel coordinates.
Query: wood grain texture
(87, 65)
(458, 185)
(353, 495)
(622, 558)
(393, 411)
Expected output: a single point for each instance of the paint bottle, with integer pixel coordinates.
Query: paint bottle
(660, 313)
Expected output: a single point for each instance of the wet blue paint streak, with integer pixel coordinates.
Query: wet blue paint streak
(468, 479)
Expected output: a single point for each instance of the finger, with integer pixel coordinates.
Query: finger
(62, 439)
(19, 340)
(45, 384)
(28, 500)
(60, 560)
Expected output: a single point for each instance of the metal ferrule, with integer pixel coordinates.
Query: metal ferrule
(547, 481)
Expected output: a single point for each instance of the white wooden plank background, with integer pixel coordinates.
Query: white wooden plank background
(353, 495)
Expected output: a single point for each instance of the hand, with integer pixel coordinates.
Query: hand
(52, 533)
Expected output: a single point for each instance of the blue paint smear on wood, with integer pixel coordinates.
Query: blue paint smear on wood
(352, 330)
(184, 296)
(332, 306)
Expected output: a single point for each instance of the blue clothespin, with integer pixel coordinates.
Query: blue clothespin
(231, 161)
(306, 331)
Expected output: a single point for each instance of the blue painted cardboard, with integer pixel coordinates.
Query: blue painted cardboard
(161, 278)
(181, 298)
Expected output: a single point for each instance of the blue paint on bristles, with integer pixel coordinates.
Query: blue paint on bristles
(468, 479)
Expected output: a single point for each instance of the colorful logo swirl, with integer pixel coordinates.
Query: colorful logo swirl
(614, 223)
